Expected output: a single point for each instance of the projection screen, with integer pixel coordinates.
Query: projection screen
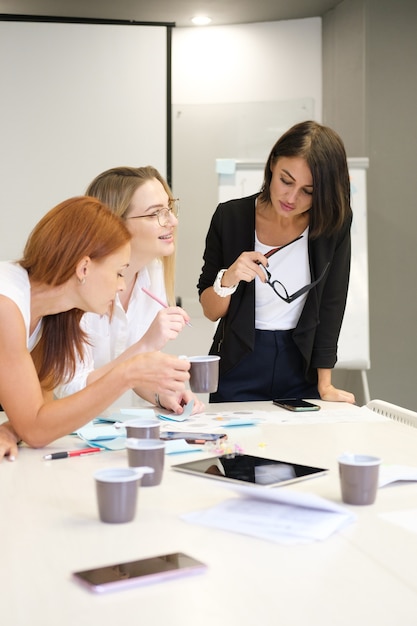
(76, 98)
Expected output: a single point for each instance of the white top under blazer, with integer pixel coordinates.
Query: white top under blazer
(291, 267)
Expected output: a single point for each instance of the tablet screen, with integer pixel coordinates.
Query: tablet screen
(245, 468)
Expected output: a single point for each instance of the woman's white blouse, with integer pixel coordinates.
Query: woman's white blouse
(291, 267)
(110, 337)
(14, 284)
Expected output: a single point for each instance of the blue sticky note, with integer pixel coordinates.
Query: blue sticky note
(238, 421)
(173, 417)
(178, 446)
(125, 415)
(225, 166)
(110, 444)
(100, 433)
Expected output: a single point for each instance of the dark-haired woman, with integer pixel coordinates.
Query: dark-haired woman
(276, 273)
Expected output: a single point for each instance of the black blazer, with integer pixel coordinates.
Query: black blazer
(231, 232)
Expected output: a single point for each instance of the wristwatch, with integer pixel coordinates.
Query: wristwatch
(223, 292)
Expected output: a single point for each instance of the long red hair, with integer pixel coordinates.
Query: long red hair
(76, 228)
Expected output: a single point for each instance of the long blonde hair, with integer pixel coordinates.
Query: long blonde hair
(115, 188)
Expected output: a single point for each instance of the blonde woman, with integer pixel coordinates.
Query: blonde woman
(143, 200)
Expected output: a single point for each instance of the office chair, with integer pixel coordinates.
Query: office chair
(397, 413)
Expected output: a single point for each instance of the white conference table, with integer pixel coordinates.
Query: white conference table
(364, 574)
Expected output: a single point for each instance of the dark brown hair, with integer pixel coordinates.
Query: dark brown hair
(325, 154)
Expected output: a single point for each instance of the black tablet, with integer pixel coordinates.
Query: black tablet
(255, 470)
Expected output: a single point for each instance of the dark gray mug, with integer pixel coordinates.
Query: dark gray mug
(359, 475)
(204, 373)
(150, 453)
(143, 428)
(117, 493)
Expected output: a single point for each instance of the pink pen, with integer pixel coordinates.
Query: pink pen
(158, 300)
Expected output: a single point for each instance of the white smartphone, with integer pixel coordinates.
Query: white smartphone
(295, 404)
(142, 572)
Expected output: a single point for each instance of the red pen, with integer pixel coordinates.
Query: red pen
(65, 455)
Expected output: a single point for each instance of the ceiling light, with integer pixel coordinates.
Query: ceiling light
(201, 20)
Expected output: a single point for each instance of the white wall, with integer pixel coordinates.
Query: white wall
(72, 105)
(248, 62)
(370, 97)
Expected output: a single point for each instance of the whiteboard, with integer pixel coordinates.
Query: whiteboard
(76, 99)
(239, 178)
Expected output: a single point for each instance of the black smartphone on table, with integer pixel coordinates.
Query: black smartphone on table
(295, 404)
(134, 573)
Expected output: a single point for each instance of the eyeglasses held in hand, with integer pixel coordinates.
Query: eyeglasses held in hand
(279, 288)
(162, 215)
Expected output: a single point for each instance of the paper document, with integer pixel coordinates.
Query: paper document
(278, 515)
(396, 473)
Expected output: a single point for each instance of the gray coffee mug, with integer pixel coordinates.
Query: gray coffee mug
(204, 373)
(143, 428)
(149, 452)
(117, 493)
(359, 475)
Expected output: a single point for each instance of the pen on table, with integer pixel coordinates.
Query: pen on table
(159, 301)
(70, 453)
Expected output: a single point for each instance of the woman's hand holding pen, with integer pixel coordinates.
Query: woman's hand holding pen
(246, 267)
(166, 326)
